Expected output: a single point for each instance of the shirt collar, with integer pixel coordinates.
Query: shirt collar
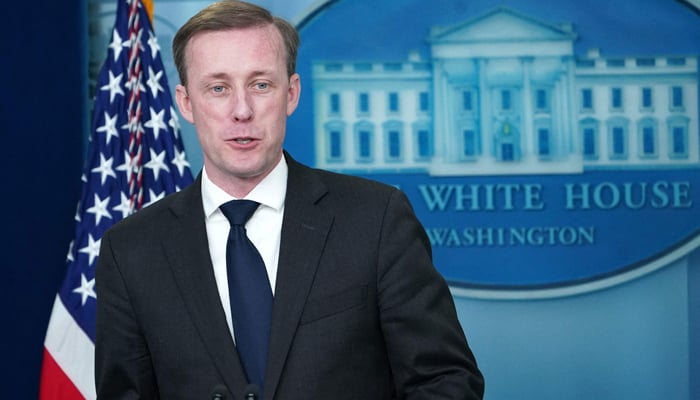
(270, 192)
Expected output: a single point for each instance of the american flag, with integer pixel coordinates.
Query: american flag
(135, 158)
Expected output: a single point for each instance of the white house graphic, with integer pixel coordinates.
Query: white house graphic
(504, 94)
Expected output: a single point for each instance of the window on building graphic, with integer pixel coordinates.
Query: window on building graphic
(362, 67)
(679, 142)
(507, 152)
(648, 141)
(543, 142)
(590, 143)
(616, 98)
(678, 146)
(467, 100)
(676, 61)
(424, 143)
(334, 141)
(470, 145)
(363, 103)
(423, 102)
(364, 138)
(645, 62)
(542, 100)
(335, 145)
(393, 140)
(334, 67)
(587, 99)
(393, 66)
(393, 145)
(647, 99)
(334, 103)
(364, 145)
(393, 102)
(677, 98)
(618, 142)
(506, 100)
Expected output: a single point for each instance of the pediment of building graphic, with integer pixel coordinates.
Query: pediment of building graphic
(501, 25)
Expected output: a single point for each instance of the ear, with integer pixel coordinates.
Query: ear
(293, 93)
(183, 103)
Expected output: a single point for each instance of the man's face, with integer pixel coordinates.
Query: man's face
(238, 97)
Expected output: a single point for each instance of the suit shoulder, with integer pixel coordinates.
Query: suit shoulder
(150, 216)
(301, 175)
(355, 184)
(332, 189)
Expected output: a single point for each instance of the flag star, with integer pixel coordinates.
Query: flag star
(105, 168)
(110, 127)
(100, 209)
(114, 86)
(86, 288)
(128, 166)
(69, 256)
(153, 44)
(117, 44)
(125, 206)
(153, 81)
(156, 122)
(156, 163)
(180, 161)
(77, 212)
(174, 122)
(153, 197)
(92, 249)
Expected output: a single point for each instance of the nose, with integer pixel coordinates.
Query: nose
(242, 109)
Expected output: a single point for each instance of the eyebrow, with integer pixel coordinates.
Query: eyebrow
(224, 75)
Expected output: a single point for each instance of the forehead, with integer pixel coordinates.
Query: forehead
(237, 47)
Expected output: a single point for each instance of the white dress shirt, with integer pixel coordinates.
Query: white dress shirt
(264, 228)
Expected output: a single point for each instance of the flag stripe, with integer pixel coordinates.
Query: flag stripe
(55, 385)
(68, 346)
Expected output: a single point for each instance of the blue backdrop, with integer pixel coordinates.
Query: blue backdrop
(637, 339)
(43, 118)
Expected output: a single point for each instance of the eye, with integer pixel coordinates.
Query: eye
(262, 85)
(217, 89)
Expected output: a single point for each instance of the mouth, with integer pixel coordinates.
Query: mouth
(241, 140)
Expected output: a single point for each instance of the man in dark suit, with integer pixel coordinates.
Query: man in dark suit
(359, 311)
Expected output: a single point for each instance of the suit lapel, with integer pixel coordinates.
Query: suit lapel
(304, 233)
(190, 262)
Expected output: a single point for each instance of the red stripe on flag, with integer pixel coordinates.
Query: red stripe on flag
(55, 385)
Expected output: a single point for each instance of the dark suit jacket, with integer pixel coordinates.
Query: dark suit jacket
(359, 310)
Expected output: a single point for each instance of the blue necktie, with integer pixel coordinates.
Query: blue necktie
(249, 292)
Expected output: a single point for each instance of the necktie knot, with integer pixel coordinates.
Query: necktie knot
(238, 212)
